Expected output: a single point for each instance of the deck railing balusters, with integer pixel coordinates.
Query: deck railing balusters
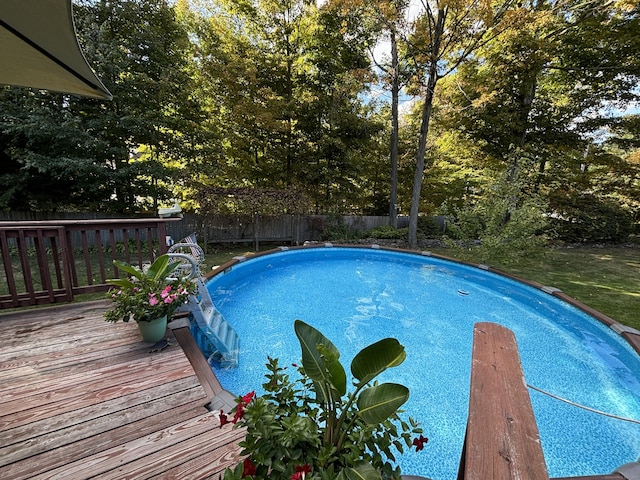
(51, 261)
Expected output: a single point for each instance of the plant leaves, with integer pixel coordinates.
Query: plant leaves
(161, 268)
(376, 404)
(376, 358)
(128, 268)
(121, 282)
(337, 375)
(321, 371)
(361, 471)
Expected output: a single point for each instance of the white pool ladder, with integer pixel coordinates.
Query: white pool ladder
(217, 331)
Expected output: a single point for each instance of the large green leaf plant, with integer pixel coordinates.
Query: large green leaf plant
(311, 428)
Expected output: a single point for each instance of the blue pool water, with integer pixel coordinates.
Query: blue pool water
(358, 296)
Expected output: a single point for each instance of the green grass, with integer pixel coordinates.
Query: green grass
(223, 255)
(606, 279)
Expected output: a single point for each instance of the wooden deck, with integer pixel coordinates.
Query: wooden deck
(82, 398)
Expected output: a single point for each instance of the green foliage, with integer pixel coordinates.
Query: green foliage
(584, 218)
(387, 232)
(251, 201)
(313, 424)
(428, 227)
(275, 97)
(335, 229)
(70, 153)
(47, 158)
(503, 227)
(148, 294)
(285, 81)
(536, 87)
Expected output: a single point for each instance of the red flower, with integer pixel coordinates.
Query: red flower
(249, 468)
(301, 472)
(223, 418)
(419, 442)
(239, 413)
(243, 402)
(248, 397)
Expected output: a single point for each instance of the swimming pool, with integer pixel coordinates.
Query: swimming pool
(356, 296)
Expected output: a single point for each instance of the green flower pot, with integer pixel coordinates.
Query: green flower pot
(154, 330)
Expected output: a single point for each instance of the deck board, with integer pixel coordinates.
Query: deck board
(83, 398)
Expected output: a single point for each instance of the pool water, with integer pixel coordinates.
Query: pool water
(357, 296)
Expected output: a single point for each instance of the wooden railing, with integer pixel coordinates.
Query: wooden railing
(51, 261)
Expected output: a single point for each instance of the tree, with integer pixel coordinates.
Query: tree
(390, 24)
(47, 155)
(140, 50)
(288, 76)
(535, 98)
(446, 34)
(69, 152)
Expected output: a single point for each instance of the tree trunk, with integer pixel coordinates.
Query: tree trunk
(395, 90)
(424, 127)
(526, 101)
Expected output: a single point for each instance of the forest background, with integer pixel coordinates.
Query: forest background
(510, 117)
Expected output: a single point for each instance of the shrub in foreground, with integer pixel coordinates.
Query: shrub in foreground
(311, 428)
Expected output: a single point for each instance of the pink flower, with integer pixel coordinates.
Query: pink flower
(169, 299)
(165, 292)
(152, 299)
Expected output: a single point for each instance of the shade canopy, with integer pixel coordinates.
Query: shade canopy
(39, 49)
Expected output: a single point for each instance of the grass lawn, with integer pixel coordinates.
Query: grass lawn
(606, 279)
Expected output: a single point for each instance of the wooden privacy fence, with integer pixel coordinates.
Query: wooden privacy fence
(223, 229)
(256, 229)
(51, 261)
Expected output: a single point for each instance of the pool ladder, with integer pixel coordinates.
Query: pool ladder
(214, 335)
(216, 338)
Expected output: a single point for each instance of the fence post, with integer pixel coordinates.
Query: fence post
(256, 228)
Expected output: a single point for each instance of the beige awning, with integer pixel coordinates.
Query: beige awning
(39, 49)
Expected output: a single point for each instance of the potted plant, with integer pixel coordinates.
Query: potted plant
(313, 429)
(149, 296)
